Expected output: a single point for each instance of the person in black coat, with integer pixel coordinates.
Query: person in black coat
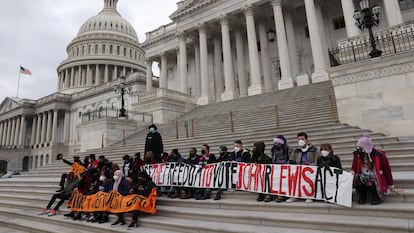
(153, 143)
(328, 159)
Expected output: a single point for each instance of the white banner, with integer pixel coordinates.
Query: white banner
(299, 181)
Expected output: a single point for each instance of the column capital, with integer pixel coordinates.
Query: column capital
(181, 35)
(223, 19)
(248, 10)
(202, 27)
(276, 2)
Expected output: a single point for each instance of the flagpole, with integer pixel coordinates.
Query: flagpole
(18, 82)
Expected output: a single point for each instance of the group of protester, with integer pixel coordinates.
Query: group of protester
(370, 166)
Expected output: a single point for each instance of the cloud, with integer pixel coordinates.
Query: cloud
(35, 34)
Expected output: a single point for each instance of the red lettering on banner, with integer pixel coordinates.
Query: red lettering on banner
(257, 175)
(293, 179)
(271, 182)
(282, 177)
(208, 173)
(239, 183)
(247, 174)
(309, 181)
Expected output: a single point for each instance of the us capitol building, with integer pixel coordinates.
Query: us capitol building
(213, 51)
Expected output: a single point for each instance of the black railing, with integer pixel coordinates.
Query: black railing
(358, 49)
(114, 113)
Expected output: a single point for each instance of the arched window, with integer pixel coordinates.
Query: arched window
(89, 49)
(96, 48)
(110, 49)
(125, 49)
(103, 48)
(118, 50)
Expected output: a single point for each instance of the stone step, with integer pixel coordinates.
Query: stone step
(41, 223)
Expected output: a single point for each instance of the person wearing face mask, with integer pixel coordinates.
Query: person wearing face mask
(205, 158)
(372, 172)
(153, 142)
(122, 186)
(328, 159)
(304, 154)
(280, 155)
(240, 154)
(192, 159)
(224, 157)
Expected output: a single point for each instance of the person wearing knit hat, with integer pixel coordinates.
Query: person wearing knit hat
(280, 155)
(372, 172)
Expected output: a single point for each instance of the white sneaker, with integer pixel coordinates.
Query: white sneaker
(292, 199)
(309, 201)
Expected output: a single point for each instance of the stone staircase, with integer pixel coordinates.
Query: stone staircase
(249, 119)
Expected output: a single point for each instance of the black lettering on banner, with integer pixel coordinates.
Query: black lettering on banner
(268, 179)
(234, 167)
(337, 172)
(319, 179)
(325, 177)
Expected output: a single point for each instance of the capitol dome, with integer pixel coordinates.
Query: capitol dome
(105, 48)
(108, 20)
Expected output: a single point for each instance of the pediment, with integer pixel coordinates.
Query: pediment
(190, 6)
(9, 104)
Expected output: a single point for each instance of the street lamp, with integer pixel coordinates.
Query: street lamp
(368, 18)
(123, 89)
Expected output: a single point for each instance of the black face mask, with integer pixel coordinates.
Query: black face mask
(278, 147)
(203, 152)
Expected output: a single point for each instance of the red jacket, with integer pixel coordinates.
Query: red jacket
(382, 168)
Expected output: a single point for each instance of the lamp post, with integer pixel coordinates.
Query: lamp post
(123, 89)
(368, 18)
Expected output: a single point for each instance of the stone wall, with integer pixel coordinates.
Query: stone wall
(377, 94)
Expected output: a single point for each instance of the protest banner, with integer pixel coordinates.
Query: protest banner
(112, 202)
(300, 181)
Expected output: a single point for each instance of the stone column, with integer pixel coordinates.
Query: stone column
(282, 45)
(66, 127)
(393, 12)
(148, 62)
(256, 86)
(124, 71)
(17, 131)
(106, 74)
(291, 37)
(80, 76)
(229, 92)
(197, 69)
(49, 126)
(33, 136)
(264, 52)
(67, 79)
(318, 53)
(72, 77)
(8, 131)
(38, 128)
(12, 131)
(1, 133)
(182, 37)
(115, 74)
(177, 72)
(218, 68)
(348, 9)
(44, 128)
(164, 71)
(97, 75)
(54, 127)
(22, 134)
(204, 99)
(241, 63)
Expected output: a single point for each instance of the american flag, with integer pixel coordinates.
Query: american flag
(25, 71)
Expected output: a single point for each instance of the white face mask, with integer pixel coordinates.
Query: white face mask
(301, 143)
(116, 178)
(324, 153)
(152, 130)
(236, 149)
(102, 178)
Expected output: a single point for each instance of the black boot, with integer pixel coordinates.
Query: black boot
(375, 198)
(362, 193)
(118, 221)
(206, 194)
(133, 224)
(218, 194)
(104, 218)
(261, 197)
(69, 215)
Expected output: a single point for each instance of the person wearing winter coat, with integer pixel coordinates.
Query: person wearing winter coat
(328, 158)
(261, 158)
(240, 154)
(153, 143)
(372, 172)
